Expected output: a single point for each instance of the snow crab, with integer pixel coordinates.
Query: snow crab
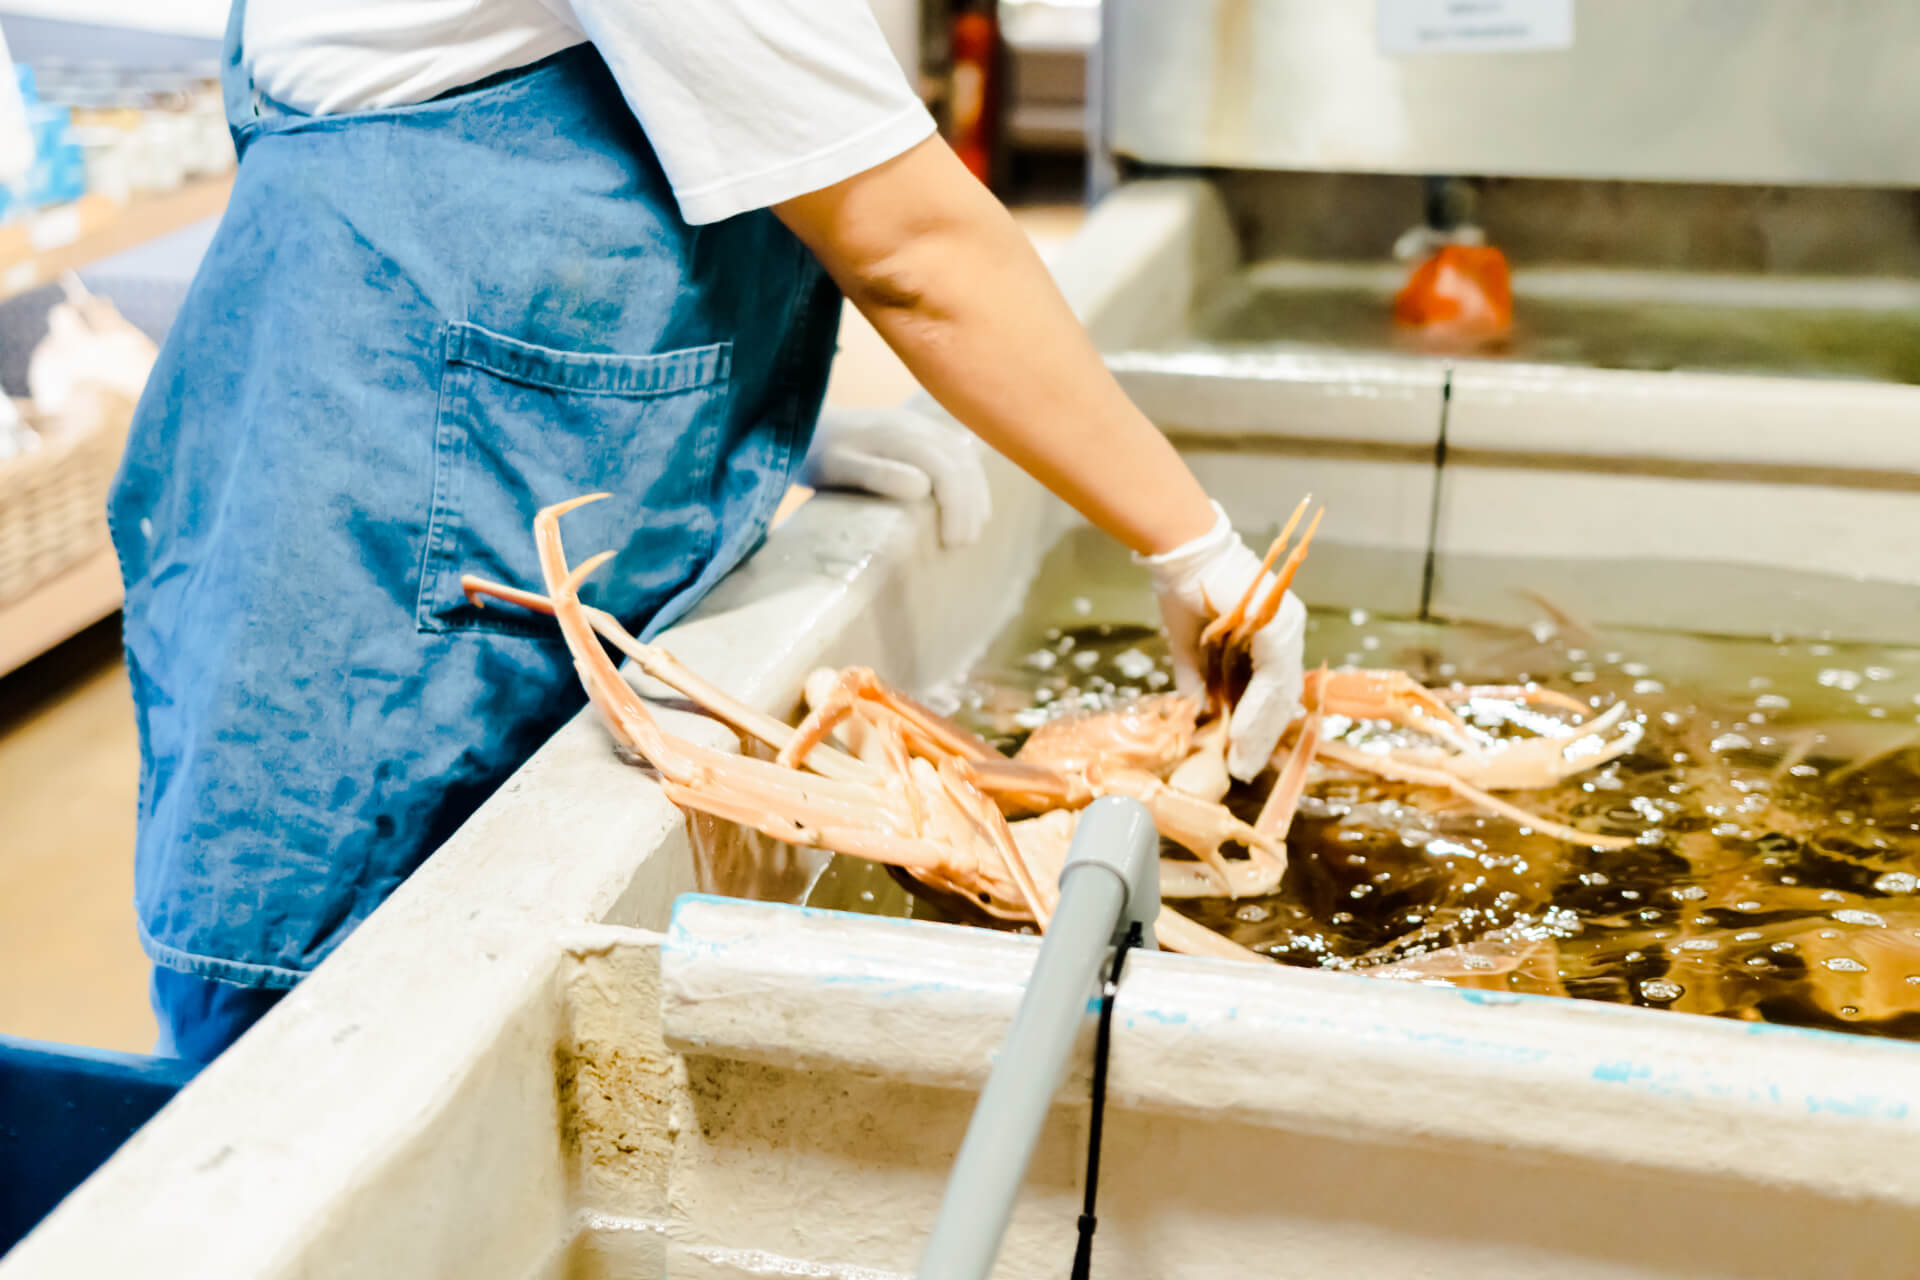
(871, 773)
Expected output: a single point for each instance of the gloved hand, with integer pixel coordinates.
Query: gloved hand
(903, 455)
(1196, 583)
(87, 342)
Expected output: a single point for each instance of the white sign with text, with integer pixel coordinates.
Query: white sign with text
(1474, 26)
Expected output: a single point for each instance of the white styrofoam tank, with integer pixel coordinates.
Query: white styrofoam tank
(532, 1063)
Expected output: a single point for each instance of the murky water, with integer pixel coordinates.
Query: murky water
(1883, 345)
(1774, 799)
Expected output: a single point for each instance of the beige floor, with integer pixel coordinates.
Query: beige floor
(70, 967)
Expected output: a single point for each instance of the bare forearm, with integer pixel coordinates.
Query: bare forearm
(952, 284)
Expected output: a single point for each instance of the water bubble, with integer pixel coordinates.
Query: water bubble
(1860, 917)
(1689, 893)
(1660, 990)
(1252, 913)
(1839, 678)
(1635, 669)
(1731, 742)
(1134, 665)
(1086, 659)
(1897, 882)
(1648, 686)
(1082, 606)
(1848, 1011)
(1748, 904)
(1913, 979)
(1633, 957)
(1879, 673)
(1832, 895)
(1700, 944)
(1773, 702)
(1042, 659)
(1784, 948)
(1749, 935)
(1359, 617)
(1844, 964)
(1370, 643)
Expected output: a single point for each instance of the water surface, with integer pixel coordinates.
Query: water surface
(1774, 801)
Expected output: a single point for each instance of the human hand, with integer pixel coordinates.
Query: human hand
(1195, 583)
(900, 454)
(88, 342)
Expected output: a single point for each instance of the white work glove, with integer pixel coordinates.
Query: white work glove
(1196, 583)
(87, 342)
(903, 455)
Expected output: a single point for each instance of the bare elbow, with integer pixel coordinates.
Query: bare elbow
(894, 283)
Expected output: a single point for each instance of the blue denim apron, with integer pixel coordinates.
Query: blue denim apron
(413, 329)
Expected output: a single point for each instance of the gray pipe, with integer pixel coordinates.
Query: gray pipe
(1111, 881)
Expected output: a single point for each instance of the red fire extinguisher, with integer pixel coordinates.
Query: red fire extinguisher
(975, 89)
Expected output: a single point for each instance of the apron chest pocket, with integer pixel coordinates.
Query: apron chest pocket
(521, 426)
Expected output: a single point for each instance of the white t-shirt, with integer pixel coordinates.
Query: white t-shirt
(746, 102)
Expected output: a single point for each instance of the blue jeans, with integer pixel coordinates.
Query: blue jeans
(200, 1017)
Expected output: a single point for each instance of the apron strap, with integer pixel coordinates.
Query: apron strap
(236, 82)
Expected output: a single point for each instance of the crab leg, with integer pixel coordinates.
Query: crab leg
(1203, 773)
(1528, 693)
(1198, 826)
(1246, 879)
(683, 763)
(1177, 933)
(1031, 785)
(1284, 580)
(1229, 622)
(932, 733)
(991, 823)
(1393, 696)
(1276, 815)
(670, 671)
(1387, 767)
(911, 852)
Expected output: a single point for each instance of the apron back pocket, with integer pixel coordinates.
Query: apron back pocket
(522, 426)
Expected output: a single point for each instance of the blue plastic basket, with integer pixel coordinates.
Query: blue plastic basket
(63, 1111)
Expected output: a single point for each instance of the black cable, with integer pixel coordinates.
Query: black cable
(1083, 1254)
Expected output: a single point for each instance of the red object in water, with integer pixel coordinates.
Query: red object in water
(975, 91)
(1463, 290)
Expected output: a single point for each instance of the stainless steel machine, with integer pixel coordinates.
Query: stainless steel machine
(1712, 212)
(1743, 143)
